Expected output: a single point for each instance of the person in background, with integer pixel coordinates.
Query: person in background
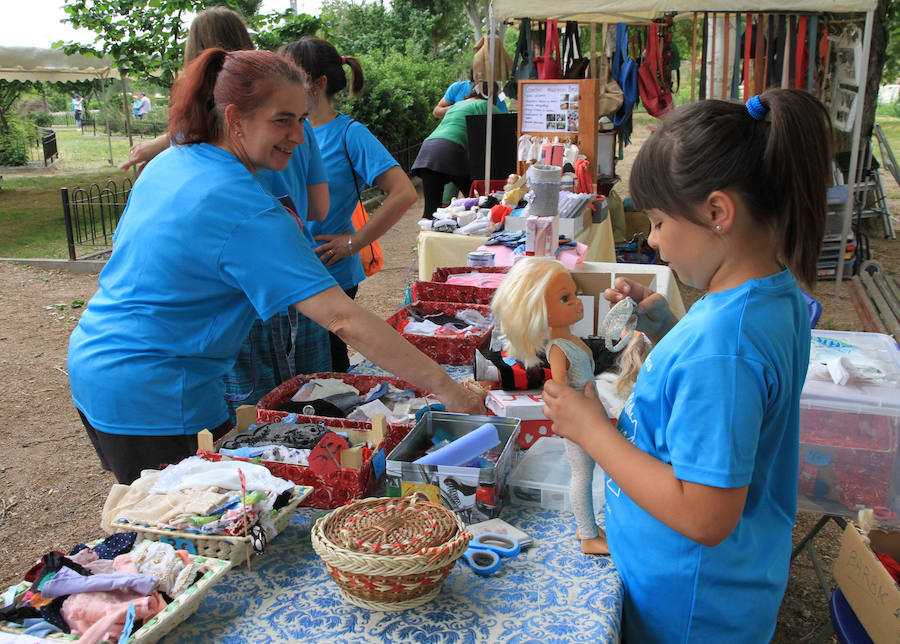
(702, 466)
(213, 27)
(143, 106)
(77, 109)
(135, 106)
(354, 159)
(455, 93)
(200, 252)
(459, 91)
(444, 155)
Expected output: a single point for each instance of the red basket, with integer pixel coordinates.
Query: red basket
(337, 488)
(444, 349)
(440, 292)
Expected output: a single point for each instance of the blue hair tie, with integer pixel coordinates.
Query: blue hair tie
(756, 108)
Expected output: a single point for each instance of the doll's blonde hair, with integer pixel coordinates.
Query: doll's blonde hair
(520, 307)
(629, 363)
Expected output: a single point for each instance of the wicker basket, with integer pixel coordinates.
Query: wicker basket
(390, 554)
(178, 610)
(232, 549)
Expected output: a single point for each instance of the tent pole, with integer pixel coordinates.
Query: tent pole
(854, 151)
(106, 114)
(489, 5)
(127, 105)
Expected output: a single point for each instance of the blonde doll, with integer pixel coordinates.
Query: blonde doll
(536, 306)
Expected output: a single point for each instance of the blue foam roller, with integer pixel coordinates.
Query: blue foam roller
(465, 448)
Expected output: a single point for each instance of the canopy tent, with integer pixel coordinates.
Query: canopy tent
(33, 64)
(51, 66)
(599, 11)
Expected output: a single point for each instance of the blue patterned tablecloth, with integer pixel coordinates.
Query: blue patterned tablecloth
(548, 593)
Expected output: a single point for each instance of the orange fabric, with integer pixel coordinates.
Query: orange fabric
(372, 257)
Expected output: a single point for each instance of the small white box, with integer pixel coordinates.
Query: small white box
(569, 226)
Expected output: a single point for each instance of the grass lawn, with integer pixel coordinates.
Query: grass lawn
(31, 216)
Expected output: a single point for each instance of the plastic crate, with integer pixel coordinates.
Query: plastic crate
(542, 477)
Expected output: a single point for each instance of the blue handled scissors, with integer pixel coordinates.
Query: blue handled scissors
(484, 552)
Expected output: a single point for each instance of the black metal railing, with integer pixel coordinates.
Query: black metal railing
(92, 214)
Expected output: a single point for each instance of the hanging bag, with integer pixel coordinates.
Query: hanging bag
(371, 256)
(624, 71)
(609, 93)
(656, 99)
(574, 65)
(523, 63)
(550, 68)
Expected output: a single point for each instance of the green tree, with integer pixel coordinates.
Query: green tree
(143, 37)
(276, 29)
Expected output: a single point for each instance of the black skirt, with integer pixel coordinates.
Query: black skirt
(441, 155)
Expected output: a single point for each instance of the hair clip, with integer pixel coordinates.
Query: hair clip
(756, 108)
(619, 319)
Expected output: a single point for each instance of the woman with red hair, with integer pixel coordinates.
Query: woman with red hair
(200, 252)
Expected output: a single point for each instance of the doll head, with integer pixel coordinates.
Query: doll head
(520, 306)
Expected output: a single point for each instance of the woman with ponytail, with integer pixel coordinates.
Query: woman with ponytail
(354, 159)
(201, 251)
(702, 466)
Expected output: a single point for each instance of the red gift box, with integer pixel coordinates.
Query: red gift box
(445, 349)
(528, 407)
(440, 292)
(336, 488)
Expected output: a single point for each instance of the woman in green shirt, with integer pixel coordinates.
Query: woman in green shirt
(444, 155)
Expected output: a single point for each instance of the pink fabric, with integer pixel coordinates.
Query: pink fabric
(503, 255)
(483, 280)
(98, 616)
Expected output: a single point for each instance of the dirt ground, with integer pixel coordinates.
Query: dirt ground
(52, 488)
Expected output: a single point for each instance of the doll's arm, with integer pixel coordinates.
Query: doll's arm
(559, 364)
(702, 513)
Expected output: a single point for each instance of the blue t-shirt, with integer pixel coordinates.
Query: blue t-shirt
(370, 159)
(460, 90)
(718, 398)
(200, 252)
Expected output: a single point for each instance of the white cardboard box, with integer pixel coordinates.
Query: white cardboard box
(528, 407)
(569, 226)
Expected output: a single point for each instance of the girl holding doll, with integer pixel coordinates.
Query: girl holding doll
(703, 464)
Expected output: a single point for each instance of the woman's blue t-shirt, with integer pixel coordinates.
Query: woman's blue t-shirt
(369, 159)
(200, 252)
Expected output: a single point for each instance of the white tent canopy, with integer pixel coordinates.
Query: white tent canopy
(51, 66)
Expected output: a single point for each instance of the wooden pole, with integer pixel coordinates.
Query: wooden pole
(711, 58)
(694, 59)
(726, 25)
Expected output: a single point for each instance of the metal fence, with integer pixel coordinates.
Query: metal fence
(91, 214)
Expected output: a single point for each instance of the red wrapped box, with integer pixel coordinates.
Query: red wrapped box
(440, 292)
(528, 407)
(336, 488)
(267, 409)
(445, 349)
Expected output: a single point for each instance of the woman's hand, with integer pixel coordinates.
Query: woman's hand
(143, 152)
(460, 399)
(654, 318)
(575, 414)
(335, 248)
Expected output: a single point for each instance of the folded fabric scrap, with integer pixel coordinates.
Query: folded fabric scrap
(443, 324)
(483, 280)
(334, 398)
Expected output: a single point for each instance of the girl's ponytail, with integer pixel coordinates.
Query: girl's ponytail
(193, 116)
(797, 160)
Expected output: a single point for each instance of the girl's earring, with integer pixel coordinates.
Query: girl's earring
(718, 228)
